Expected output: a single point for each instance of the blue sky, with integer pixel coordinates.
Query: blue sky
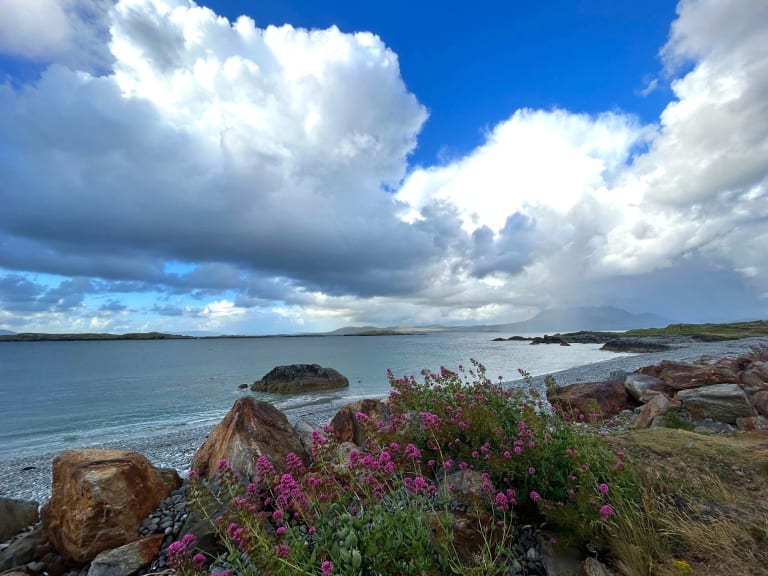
(239, 167)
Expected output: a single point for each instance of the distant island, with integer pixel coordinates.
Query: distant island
(44, 337)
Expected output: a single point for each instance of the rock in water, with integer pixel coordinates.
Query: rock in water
(15, 515)
(250, 429)
(99, 499)
(297, 378)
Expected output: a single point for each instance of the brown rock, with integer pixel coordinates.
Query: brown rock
(760, 402)
(681, 376)
(99, 499)
(250, 429)
(750, 423)
(604, 398)
(15, 515)
(296, 378)
(345, 426)
(723, 402)
(657, 406)
(127, 559)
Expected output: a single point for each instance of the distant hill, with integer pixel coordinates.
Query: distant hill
(583, 318)
(6, 332)
(44, 337)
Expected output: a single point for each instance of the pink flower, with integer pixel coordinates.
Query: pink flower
(603, 488)
(531, 470)
(281, 530)
(283, 551)
(326, 568)
(535, 496)
(606, 511)
(198, 561)
(412, 452)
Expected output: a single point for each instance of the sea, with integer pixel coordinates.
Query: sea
(60, 395)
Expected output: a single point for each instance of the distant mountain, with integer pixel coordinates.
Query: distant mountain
(6, 332)
(584, 318)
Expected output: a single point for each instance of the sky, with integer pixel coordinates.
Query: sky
(268, 167)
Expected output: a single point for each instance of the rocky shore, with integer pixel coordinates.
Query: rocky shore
(29, 478)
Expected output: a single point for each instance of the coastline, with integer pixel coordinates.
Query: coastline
(29, 478)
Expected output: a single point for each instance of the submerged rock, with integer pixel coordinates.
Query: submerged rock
(297, 378)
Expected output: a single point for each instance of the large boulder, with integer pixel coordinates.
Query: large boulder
(639, 385)
(658, 405)
(681, 376)
(127, 559)
(24, 549)
(756, 375)
(723, 402)
(297, 378)
(606, 399)
(345, 425)
(99, 499)
(15, 515)
(250, 429)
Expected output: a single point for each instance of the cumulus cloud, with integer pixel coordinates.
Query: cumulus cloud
(276, 161)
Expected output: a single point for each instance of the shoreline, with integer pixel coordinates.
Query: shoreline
(29, 477)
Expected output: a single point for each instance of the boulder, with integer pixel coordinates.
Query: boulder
(345, 426)
(15, 515)
(755, 375)
(127, 559)
(633, 346)
(750, 423)
(681, 376)
(604, 398)
(760, 401)
(250, 429)
(657, 406)
(99, 499)
(23, 549)
(638, 384)
(722, 402)
(297, 378)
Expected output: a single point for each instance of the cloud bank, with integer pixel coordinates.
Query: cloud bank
(172, 169)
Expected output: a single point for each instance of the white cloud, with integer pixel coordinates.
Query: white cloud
(264, 156)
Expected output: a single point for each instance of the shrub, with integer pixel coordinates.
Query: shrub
(391, 508)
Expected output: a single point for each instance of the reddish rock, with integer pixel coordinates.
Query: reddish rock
(657, 406)
(99, 499)
(723, 402)
(681, 376)
(345, 425)
(250, 429)
(127, 559)
(760, 402)
(750, 423)
(755, 375)
(604, 398)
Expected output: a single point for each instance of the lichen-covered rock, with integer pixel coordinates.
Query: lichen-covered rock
(250, 429)
(99, 499)
(722, 402)
(298, 378)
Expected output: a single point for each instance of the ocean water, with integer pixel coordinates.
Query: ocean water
(59, 395)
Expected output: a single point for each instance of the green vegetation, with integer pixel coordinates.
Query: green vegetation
(41, 337)
(708, 332)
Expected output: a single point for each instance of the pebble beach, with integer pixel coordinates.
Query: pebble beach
(29, 478)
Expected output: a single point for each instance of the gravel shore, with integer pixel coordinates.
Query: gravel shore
(29, 478)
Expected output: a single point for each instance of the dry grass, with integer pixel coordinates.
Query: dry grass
(704, 501)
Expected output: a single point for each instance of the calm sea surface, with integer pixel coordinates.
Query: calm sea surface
(57, 395)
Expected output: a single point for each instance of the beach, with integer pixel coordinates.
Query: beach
(29, 478)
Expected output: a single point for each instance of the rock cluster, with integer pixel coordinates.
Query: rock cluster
(719, 396)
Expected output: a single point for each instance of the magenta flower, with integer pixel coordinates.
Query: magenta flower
(603, 488)
(531, 470)
(606, 511)
(198, 561)
(326, 568)
(412, 452)
(283, 551)
(535, 496)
